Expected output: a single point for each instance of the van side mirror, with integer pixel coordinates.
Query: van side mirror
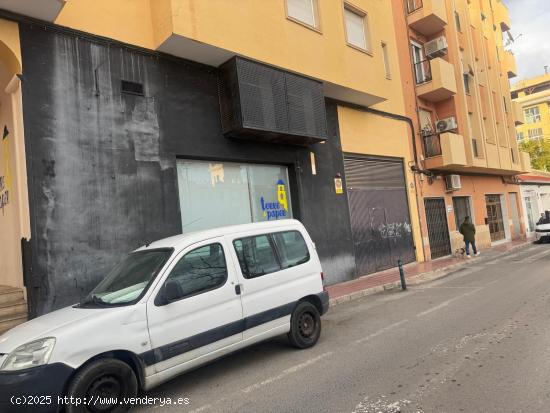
(171, 291)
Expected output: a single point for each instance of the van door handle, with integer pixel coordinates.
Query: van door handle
(238, 289)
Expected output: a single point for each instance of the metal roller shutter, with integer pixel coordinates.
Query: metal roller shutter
(379, 212)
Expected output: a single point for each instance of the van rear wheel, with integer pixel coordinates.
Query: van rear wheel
(100, 387)
(305, 325)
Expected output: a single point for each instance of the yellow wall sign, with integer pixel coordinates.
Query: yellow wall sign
(338, 185)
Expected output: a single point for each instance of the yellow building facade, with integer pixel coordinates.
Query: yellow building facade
(349, 48)
(532, 98)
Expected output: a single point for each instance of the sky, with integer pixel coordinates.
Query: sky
(531, 29)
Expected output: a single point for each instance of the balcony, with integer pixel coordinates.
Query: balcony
(47, 10)
(444, 151)
(427, 16)
(519, 116)
(502, 16)
(509, 65)
(435, 80)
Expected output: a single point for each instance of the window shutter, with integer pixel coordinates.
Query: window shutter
(302, 10)
(355, 26)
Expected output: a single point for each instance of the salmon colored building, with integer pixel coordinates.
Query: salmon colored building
(455, 74)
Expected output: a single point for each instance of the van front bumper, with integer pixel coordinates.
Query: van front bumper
(37, 389)
(542, 236)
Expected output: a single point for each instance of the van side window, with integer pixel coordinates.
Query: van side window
(200, 270)
(256, 256)
(292, 248)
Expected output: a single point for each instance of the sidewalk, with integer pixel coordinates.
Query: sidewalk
(415, 273)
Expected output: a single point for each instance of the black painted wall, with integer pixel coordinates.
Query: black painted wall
(101, 164)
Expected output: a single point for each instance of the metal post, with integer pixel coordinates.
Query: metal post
(402, 275)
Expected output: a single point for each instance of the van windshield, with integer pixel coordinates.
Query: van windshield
(128, 281)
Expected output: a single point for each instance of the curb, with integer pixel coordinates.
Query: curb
(416, 280)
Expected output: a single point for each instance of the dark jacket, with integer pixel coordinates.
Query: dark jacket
(468, 230)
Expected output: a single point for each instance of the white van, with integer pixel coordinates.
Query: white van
(168, 307)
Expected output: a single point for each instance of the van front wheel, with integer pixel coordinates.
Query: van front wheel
(101, 386)
(305, 325)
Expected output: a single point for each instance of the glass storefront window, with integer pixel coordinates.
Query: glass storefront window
(214, 194)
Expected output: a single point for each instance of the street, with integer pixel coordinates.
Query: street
(476, 340)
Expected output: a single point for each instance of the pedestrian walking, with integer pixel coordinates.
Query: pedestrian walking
(468, 231)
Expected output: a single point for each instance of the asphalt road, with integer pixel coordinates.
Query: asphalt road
(477, 340)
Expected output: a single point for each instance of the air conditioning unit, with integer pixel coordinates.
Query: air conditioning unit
(436, 48)
(445, 125)
(452, 182)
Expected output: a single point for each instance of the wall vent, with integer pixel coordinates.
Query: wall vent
(131, 88)
(263, 103)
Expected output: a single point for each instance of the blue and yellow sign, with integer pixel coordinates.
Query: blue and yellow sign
(279, 209)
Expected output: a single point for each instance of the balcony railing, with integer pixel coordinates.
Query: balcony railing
(422, 72)
(432, 145)
(413, 5)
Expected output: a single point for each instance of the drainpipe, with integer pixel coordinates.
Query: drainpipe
(415, 167)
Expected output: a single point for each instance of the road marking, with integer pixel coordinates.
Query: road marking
(447, 302)
(286, 372)
(511, 257)
(444, 288)
(379, 332)
(535, 257)
(270, 380)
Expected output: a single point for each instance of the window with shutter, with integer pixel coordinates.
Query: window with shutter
(356, 28)
(305, 11)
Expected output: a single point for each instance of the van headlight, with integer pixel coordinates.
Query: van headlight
(33, 354)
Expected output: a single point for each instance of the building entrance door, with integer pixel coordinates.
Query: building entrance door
(438, 230)
(494, 217)
(515, 214)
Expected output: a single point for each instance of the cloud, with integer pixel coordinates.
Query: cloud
(531, 28)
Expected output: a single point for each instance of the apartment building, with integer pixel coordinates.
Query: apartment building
(456, 73)
(132, 120)
(533, 98)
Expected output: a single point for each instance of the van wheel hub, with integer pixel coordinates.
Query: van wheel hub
(103, 393)
(306, 325)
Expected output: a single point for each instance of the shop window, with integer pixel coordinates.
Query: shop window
(256, 256)
(214, 194)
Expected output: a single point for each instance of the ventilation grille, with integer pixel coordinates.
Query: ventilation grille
(132, 88)
(263, 103)
(262, 93)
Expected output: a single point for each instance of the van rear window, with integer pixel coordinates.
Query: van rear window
(264, 254)
(256, 255)
(292, 248)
